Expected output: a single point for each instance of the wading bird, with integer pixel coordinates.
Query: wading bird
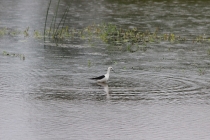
(103, 78)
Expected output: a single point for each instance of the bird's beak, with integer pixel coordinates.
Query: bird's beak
(113, 70)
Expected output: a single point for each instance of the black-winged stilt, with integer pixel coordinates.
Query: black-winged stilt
(103, 78)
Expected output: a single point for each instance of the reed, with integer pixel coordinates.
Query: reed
(55, 18)
(45, 24)
(55, 31)
(63, 19)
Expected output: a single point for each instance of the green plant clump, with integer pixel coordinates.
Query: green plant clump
(21, 56)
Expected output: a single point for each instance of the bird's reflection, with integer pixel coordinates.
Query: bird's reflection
(106, 89)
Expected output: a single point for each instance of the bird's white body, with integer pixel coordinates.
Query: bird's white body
(103, 78)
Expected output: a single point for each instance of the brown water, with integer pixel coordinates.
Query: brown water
(160, 93)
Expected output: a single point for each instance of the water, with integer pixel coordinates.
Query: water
(161, 92)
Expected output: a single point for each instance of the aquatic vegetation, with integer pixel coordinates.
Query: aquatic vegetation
(21, 56)
(89, 63)
(25, 32)
(201, 38)
(111, 34)
(121, 38)
(208, 51)
(37, 34)
(116, 36)
(131, 39)
(13, 32)
(54, 19)
(56, 31)
(45, 24)
(3, 31)
(201, 71)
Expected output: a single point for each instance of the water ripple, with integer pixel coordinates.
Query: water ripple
(159, 86)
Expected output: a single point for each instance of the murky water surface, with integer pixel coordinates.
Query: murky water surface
(160, 93)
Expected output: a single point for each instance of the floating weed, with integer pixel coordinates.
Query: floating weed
(172, 37)
(6, 31)
(143, 48)
(201, 71)
(208, 51)
(110, 34)
(5, 53)
(15, 32)
(37, 34)
(89, 63)
(114, 62)
(116, 36)
(201, 38)
(129, 47)
(21, 56)
(26, 34)
(3, 31)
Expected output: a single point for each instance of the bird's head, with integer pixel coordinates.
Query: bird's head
(110, 68)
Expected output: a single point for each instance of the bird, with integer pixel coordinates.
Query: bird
(103, 78)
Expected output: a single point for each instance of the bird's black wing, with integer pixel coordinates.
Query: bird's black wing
(98, 78)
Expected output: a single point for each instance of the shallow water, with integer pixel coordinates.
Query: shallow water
(160, 92)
